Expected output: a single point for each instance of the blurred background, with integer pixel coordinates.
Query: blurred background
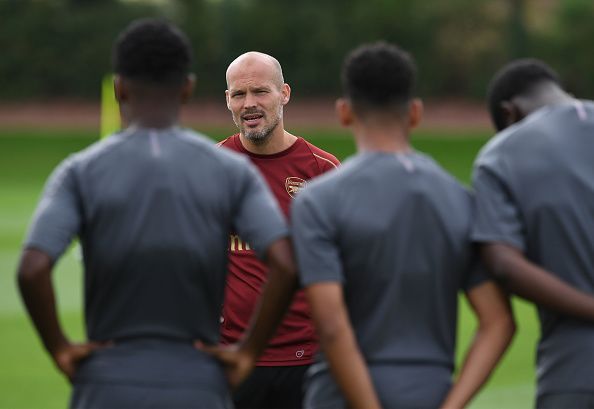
(59, 48)
(55, 53)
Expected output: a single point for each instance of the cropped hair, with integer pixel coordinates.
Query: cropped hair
(378, 76)
(516, 78)
(152, 51)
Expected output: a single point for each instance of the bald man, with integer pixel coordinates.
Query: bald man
(256, 94)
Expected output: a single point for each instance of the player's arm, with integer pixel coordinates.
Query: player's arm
(34, 279)
(338, 341)
(495, 331)
(275, 301)
(55, 223)
(499, 228)
(259, 220)
(315, 224)
(276, 298)
(240, 359)
(532, 282)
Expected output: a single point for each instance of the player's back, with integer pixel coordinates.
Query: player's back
(401, 225)
(155, 210)
(546, 164)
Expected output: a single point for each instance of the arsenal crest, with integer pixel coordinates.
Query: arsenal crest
(294, 184)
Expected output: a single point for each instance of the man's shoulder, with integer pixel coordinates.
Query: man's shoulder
(229, 142)
(211, 148)
(326, 161)
(514, 140)
(435, 171)
(99, 149)
(500, 144)
(330, 183)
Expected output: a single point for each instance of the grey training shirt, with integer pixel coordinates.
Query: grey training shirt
(153, 211)
(394, 229)
(534, 184)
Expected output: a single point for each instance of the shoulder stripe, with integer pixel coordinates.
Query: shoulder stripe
(581, 111)
(327, 160)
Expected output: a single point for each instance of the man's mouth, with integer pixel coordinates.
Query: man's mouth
(252, 119)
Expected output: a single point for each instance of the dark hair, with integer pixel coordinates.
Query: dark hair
(378, 76)
(516, 78)
(152, 51)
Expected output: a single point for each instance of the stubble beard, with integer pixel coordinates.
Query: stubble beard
(262, 136)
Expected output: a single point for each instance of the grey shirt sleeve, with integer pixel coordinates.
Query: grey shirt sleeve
(258, 217)
(57, 218)
(477, 275)
(498, 218)
(317, 252)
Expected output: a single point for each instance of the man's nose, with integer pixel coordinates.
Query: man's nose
(249, 100)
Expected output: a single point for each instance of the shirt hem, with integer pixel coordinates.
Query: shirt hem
(301, 362)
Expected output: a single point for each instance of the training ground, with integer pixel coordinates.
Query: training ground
(35, 137)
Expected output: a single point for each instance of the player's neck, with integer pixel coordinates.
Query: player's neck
(544, 95)
(278, 141)
(151, 115)
(384, 139)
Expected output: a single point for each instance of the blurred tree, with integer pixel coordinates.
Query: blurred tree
(568, 46)
(518, 36)
(89, 2)
(62, 47)
(50, 49)
(469, 41)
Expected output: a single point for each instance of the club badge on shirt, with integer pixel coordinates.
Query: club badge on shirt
(293, 184)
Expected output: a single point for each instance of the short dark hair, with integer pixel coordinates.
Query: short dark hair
(516, 78)
(152, 51)
(378, 76)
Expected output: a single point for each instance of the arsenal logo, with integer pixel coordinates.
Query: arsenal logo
(293, 184)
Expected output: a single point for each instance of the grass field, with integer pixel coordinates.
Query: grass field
(27, 376)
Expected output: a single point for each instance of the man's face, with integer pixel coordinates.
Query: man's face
(256, 101)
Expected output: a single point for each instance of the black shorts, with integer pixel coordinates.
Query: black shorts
(268, 387)
(566, 400)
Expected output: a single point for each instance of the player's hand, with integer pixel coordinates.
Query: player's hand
(238, 363)
(68, 356)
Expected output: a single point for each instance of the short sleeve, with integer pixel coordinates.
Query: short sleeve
(477, 273)
(258, 218)
(498, 218)
(57, 218)
(329, 163)
(316, 248)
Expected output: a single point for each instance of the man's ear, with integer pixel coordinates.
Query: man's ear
(511, 113)
(415, 113)
(228, 99)
(286, 91)
(188, 88)
(120, 89)
(344, 111)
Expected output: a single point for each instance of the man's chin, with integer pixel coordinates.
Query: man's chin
(257, 138)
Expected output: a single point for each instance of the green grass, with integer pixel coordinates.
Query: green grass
(27, 376)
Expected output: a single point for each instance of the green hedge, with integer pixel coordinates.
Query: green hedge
(62, 48)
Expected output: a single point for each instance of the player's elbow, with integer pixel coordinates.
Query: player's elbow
(506, 326)
(501, 326)
(287, 268)
(332, 331)
(280, 257)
